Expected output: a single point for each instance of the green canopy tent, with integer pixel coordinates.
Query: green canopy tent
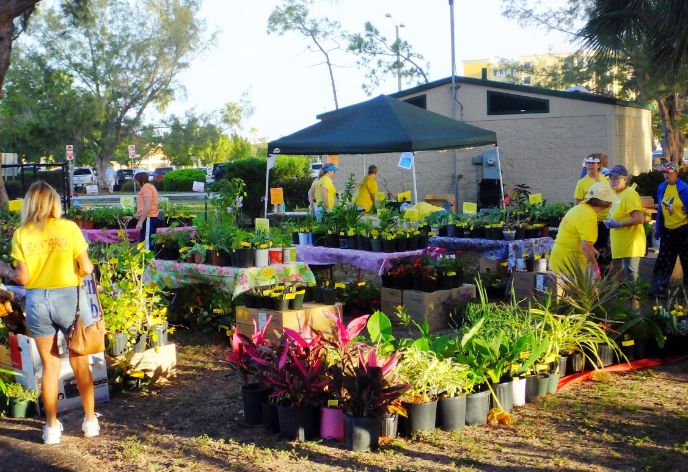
(381, 125)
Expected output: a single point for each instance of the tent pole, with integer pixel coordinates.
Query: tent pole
(415, 188)
(267, 177)
(501, 182)
(453, 103)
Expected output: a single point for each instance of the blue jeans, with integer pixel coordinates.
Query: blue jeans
(50, 310)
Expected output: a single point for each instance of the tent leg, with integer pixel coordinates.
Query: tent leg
(267, 177)
(415, 188)
(501, 182)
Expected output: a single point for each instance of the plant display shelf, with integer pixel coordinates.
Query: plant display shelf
(376, 262)
(111, 236)
(497, 249)
(233, 280)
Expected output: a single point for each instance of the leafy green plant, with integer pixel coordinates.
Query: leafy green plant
(583, 291)
(420, 370)
(18, 392)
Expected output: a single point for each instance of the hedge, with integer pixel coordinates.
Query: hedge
(181, 180)
(128, 186)
(647, 182)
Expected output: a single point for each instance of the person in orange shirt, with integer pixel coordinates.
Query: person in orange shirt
(146, 209)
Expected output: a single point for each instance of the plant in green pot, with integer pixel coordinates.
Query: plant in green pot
(19, 399)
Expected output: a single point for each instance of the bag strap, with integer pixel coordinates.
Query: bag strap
(78, 309)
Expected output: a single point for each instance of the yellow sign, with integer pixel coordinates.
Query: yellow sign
(535, 198)
(411, 215)
(379, 196)
(15, 205)
(262, 225)
(333, 159)
(404, 196)
(470, 207)
(276, 195)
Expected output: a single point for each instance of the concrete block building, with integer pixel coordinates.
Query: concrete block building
(543, 137)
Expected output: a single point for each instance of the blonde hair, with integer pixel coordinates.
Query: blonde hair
(40, 204)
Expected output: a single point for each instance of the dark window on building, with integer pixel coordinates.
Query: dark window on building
(420, 101)
(499, 103)
(526, 80)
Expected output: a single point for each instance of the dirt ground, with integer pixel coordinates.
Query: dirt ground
(636, 421)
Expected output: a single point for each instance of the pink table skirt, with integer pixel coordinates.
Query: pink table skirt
(109, 236)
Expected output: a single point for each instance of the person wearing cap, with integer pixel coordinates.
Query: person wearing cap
(593, 176)
(578, 231)
(146, 209)
(626, 218)
(604, 162)
(314, 195)
(327, 192)
(671, 229)
(367, 190)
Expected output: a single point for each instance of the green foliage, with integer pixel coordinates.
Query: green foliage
(181, 180)
(17, 391)
(290, 168)
(647, 182)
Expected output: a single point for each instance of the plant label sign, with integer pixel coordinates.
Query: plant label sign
(262, 320)
(406, 160)
(276, 195)
(91, 189)
(90, 287)
(470, 208)
(198, 186)
(535, 198)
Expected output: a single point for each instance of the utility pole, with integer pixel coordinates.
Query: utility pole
(398, 45)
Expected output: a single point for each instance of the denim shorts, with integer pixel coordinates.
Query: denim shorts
(50, 310)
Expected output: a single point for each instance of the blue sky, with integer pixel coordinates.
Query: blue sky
(288, 88)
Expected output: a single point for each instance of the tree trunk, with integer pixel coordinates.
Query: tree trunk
(673, 141)
(5, 52)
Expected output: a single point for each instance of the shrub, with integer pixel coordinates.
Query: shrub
(291, 168)
(252, 172)
(647, 182)
(182, 180)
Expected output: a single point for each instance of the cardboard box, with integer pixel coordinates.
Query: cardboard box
(313, 314)
(548, 285)
(155, 363)
(5, 357)
(391, 296)
(492, 266)
(68, 393)
(523, 284)
(429, 305)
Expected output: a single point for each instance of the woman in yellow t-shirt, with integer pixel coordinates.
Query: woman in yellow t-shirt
(578, 231)
(314, 192)
(328, 192)
(626, 224)
(51, 256)
(592, 176)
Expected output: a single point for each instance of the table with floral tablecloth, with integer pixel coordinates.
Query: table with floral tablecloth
(366, 260)
(498, 250)
(110, 236)
(234, 280)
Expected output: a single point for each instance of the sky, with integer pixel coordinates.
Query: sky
(288, 86)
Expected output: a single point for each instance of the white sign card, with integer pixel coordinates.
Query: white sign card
(91, 189)
(198, 187)
(132, 151)
(406, 160)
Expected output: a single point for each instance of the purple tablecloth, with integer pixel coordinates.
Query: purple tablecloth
(497, 250)
(372, 261)
(109, 236)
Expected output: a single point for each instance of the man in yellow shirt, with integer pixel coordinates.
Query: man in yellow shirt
(314, 195)
(578, 231)
(671, 229)
(327, 192)
(367, 190)
(626, 224)
(592, 176)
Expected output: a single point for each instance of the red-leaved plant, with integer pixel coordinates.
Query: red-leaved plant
(249, 356)
(344, 347)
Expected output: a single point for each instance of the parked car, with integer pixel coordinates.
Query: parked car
(218, 171)
(315, 169)
(159, 173)
(84, 176)
(121, 176)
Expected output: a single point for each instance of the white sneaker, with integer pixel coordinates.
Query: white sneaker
(52, 434)
(91, 428)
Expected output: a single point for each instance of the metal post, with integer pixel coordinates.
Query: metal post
(415, 187)
(453, 104)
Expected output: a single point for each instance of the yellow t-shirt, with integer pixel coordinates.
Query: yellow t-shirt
(326, 182)
(50, 253)
(672, 209)
(582, 188)
(627, 241)
(366, 192)
(315, 187)
(579, 224)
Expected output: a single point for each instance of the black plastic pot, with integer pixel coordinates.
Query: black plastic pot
(329, 296)
(118, 347)
(389, 245)
(477, 407)
(443, 231)
(531, 388)
(280, 304)
(343, 242)
(574, 363)
(389, 424)
(375, 245)
(250, 301)
(412, 243)
(533, 233)
(299, 423)
(361, 433)
(447, 282)
(422, 241)
(428, 285)
(504, 392)
(494, 233)
(243, 257)
(542, 384)
(421, 417)
(389, 281)
(168, 253)
(451, 413)
(270, 418)
(318, 294)
(297, 302)
(451, 231)
(353, 242)
(253, 398)
(401, 244)
(520, 233)
(319, 239)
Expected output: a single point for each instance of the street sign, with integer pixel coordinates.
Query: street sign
(132, 151)
(69, 152)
